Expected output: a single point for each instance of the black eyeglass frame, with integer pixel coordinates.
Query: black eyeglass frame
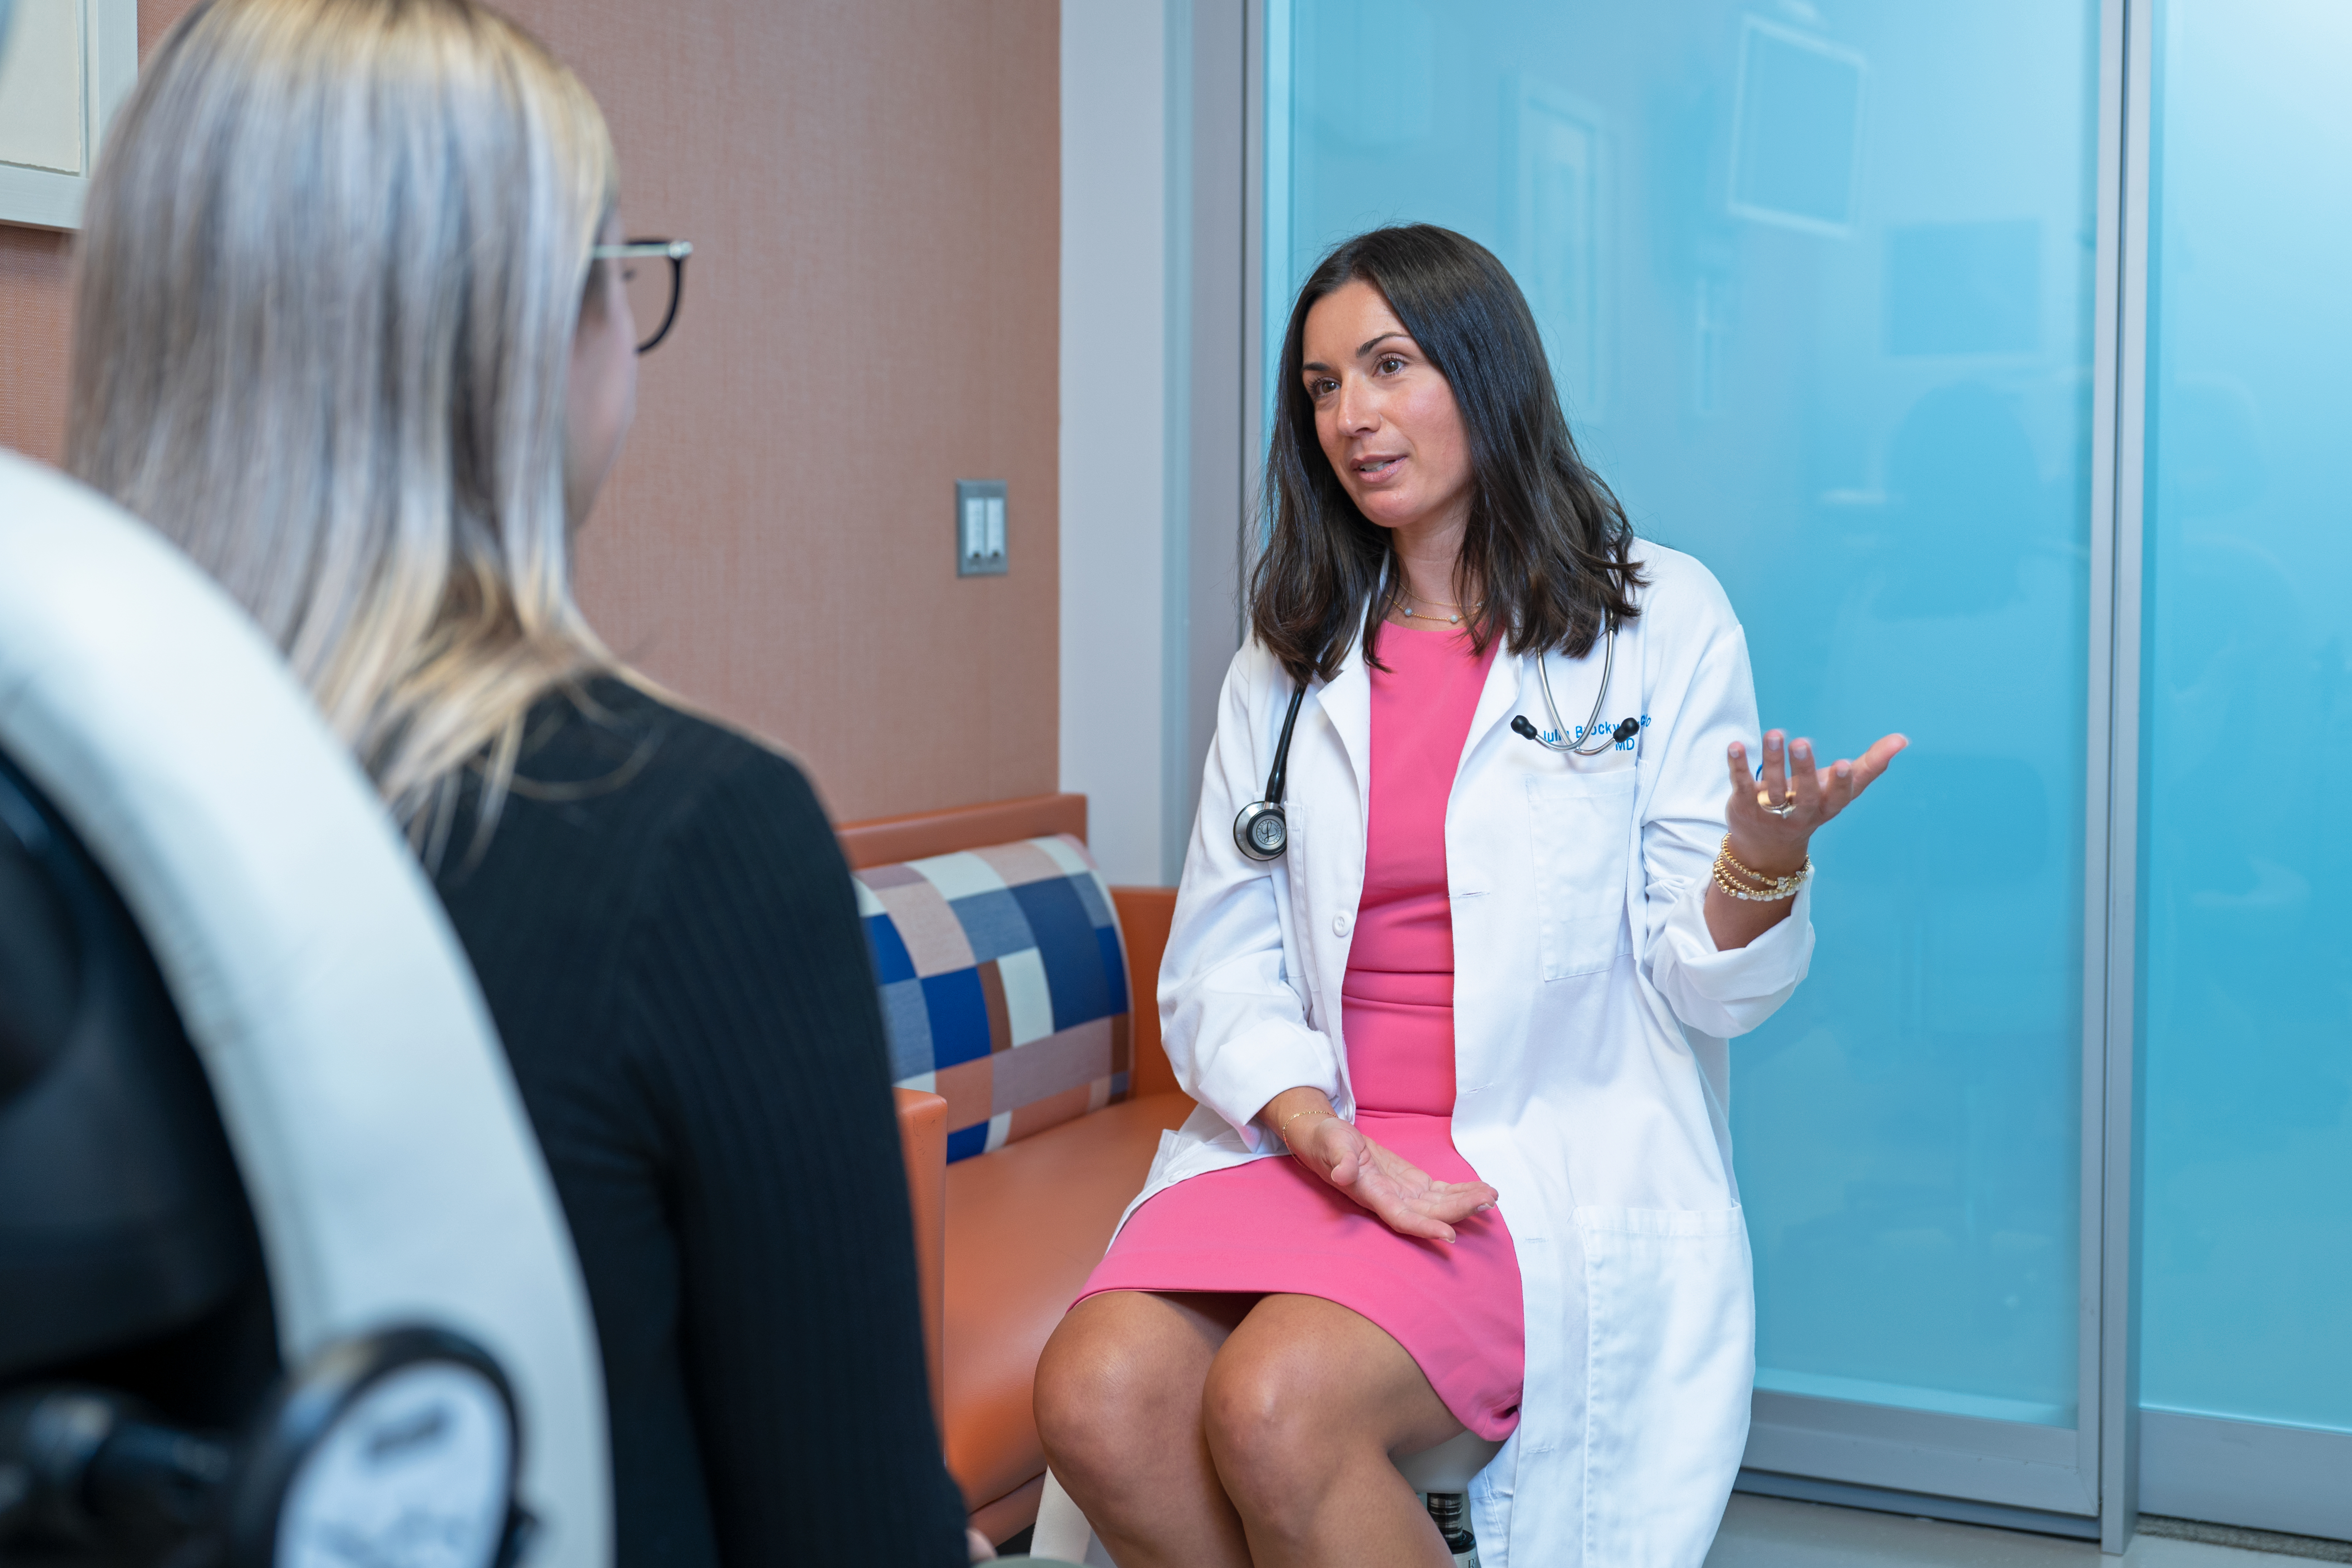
(673, 251)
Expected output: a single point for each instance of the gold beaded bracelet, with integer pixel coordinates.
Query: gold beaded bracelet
(1751, 886)
(1742, 877)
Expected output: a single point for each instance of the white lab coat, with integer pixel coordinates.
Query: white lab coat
(1590, 1061)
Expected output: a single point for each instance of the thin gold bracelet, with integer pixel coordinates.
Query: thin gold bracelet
(1283, 1132)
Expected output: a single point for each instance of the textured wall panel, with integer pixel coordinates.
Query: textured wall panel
(871, 313)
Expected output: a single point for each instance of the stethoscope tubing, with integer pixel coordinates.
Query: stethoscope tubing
(1262, 831)
(1585, 747)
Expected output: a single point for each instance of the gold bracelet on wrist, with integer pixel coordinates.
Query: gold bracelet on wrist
(1747, 895)
(1283, 1132)
(1728, 869)
(1751, 886)
(1743, 881)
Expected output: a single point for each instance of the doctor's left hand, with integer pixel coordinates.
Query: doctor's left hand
(1406, 1198)
(1772, 817)
(1774, 812)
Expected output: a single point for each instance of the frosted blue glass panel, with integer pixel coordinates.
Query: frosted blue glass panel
(1816, 282)
(2248, 982)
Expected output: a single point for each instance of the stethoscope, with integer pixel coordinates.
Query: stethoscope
(1596, 739)
(1261, 832)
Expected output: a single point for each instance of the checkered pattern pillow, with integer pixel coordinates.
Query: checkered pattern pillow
(1003, 985)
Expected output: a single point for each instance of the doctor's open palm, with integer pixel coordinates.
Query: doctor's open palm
(1772, 815)
(1406, 1198)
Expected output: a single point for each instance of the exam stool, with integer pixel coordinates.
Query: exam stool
(1443, 1471)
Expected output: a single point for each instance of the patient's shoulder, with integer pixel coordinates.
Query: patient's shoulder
(642, 843)
(612, 750)
(617, 792)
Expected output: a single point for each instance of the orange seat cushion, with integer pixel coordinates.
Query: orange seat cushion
(1025, 1225)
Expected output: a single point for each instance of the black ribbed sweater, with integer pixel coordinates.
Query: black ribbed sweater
(668, 938)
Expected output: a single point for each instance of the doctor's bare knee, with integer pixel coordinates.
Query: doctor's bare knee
(1102, 1411)
(1275, 1436)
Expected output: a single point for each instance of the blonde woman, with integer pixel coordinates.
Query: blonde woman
(344, 337)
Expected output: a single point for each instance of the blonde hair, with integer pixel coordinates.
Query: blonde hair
(333, 261)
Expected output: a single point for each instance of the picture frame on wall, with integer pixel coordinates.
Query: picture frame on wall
(1563, 163)
(65, 66)
(1796, 130)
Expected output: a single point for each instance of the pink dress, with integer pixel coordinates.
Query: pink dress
(1273, 1227)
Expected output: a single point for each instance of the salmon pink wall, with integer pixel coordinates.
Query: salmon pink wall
(872, 188)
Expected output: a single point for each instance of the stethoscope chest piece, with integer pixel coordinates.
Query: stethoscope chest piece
(1260, 831)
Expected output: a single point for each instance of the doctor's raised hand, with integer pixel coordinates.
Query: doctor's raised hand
(1772, 817)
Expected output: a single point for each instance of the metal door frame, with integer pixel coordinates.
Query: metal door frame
(2121, 367)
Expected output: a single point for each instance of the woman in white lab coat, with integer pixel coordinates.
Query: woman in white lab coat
(1614, 891)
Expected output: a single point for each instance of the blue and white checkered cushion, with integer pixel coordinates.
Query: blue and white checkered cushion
(1003, 985)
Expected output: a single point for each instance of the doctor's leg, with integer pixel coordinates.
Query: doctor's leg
(1306, 1403)
(1118, 1408)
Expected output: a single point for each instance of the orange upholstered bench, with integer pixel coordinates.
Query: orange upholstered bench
(1006, 1238)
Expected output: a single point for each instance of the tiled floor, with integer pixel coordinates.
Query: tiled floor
(1768, 1532)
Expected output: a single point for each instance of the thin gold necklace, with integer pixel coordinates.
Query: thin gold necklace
(1452, 620)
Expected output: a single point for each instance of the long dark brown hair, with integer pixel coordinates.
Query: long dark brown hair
(1547, 546)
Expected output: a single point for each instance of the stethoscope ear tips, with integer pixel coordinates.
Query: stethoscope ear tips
(1624, 732)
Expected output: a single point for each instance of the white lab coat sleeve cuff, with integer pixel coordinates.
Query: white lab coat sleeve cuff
(1728, 993)
(1261, 1061)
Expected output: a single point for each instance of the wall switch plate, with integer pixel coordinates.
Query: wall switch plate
(979, 528)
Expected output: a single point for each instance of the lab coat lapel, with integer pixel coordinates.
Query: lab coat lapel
(1496, 698)
(1335, 843)
(1347, 702)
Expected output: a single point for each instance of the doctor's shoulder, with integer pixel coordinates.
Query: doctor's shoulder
(1255, 674)
(1680, 599)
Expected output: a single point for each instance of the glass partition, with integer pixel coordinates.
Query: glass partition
(2248, 992)
(1817, 283)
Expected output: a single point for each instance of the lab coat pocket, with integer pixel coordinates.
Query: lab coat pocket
(1582, 839)
(1670, 1359)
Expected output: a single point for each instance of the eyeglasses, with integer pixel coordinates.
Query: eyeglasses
(654, 291)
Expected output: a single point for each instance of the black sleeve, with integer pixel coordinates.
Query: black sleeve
(753, 1022)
